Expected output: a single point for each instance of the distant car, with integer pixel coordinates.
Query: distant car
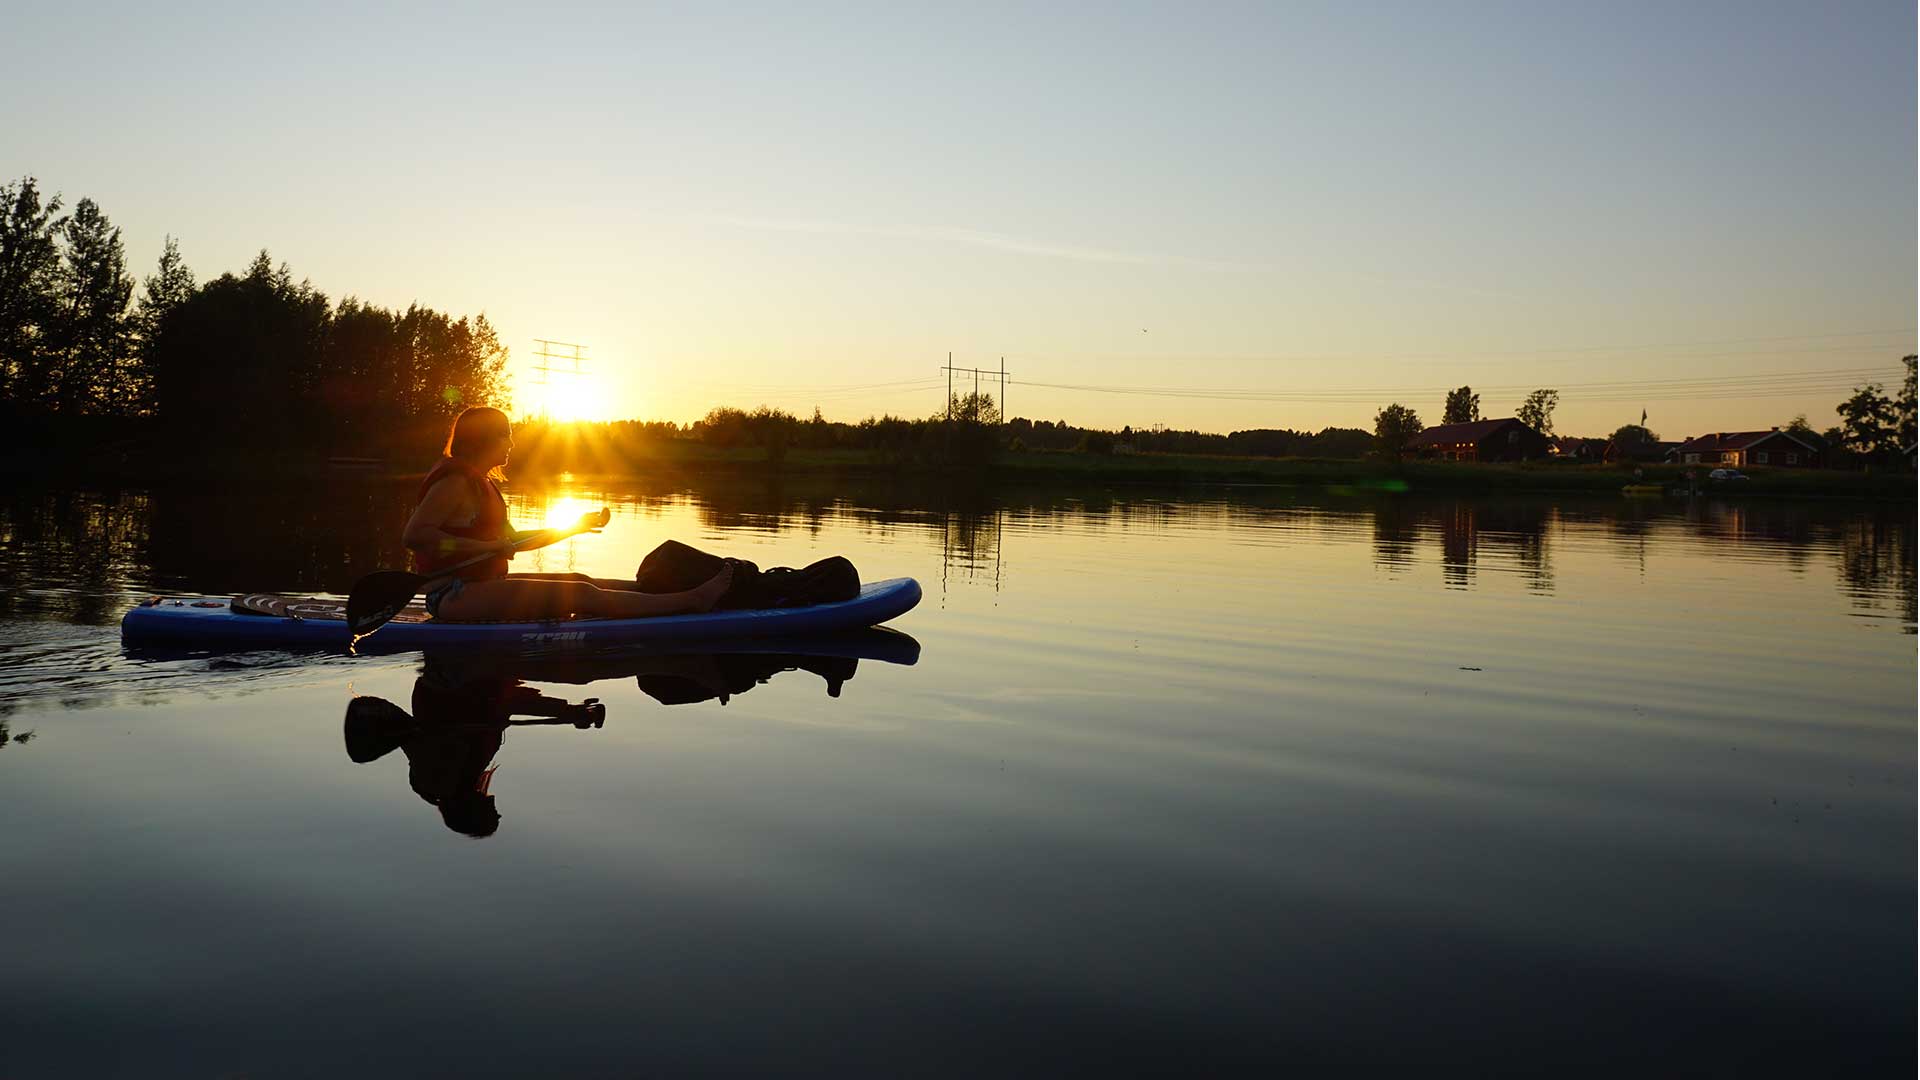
(1728, 474)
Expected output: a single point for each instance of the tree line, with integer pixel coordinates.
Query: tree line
(970, 431)
(245, 359)
(1875, 426)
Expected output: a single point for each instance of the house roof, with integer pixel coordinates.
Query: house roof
(1733, 440)
(1462, 433)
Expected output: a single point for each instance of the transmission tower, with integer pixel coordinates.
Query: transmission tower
(556, 358)
(1000, 373)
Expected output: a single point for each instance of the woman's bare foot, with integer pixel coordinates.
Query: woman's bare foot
(702, 597)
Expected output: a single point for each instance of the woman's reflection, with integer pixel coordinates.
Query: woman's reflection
(463, 704)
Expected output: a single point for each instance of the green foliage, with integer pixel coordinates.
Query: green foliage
(1395, 426)
(1537, 411)
(1463, 406)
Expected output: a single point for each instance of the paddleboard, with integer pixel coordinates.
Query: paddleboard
(317, 622)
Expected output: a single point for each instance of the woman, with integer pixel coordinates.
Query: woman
(460, 514)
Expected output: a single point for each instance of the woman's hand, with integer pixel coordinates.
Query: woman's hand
(595, 520)
(505, 547)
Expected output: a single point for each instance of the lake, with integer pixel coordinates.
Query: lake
(1217, 779)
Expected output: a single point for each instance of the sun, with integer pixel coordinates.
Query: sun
(571, 399)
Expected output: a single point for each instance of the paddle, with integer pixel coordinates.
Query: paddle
(376, 727)
(382, 594)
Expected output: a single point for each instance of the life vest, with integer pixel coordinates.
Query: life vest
(490, 523)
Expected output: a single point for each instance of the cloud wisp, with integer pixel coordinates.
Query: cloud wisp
(990, 240)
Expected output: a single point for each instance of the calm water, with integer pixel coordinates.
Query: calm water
(1224, 779)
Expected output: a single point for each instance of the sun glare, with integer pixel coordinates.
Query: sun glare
(566, 510)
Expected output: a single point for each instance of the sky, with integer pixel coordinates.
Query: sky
(1214, 216)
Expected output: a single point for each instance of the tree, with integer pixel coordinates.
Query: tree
(1869, 421)
(1632, 435)
(1463, 406)
(29, 266)
(249, 350)
(1903, 406)
(1800, 429)
(1394, 427)
(165, 290)
(1537, 411)
(92, 332)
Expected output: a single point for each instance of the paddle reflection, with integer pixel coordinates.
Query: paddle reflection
(464, 702)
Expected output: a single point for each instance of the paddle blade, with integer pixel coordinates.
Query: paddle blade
(375, 726)
(378, 597)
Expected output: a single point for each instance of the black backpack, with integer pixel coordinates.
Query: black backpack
(676, 567)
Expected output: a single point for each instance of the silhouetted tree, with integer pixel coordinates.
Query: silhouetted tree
(1537, 411)
(1463, 406)
(972, 434)
(1799, 427)
(1903, 406)
(164, 290)
(722, 426)
(1869, 421)
(1633, 435)
(92, 362)
(29, 266)
(772, 430)
(241, 358)
(1395, 426)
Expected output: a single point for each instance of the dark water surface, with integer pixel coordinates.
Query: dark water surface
(1222, 779)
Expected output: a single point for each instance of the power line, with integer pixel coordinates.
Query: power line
(1557, 350)
(1781, 383)
(1763, 378)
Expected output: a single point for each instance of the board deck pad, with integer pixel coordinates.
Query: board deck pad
(312, 607)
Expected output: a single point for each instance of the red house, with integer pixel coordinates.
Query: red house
(1737, 448)
(1481, 440)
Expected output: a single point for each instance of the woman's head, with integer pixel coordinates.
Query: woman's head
(481, 437)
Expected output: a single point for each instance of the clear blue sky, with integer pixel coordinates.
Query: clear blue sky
(1353, 203)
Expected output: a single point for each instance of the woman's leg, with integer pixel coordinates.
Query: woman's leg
(516, 597)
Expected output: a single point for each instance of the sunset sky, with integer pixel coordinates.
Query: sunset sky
(1270, 215)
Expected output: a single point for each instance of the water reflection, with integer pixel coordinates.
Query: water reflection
(465, 701)
(1877, 566)
(82, 557)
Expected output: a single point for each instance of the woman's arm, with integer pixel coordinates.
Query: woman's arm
(446, 501)
(529, 539)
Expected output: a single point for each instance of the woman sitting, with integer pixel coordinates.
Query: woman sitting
(460, 513)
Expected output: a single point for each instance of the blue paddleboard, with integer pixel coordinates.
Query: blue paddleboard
(321, 623)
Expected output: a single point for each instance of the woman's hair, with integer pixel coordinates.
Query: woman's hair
(473, 430)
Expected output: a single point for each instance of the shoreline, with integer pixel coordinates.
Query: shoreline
(688, 463)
